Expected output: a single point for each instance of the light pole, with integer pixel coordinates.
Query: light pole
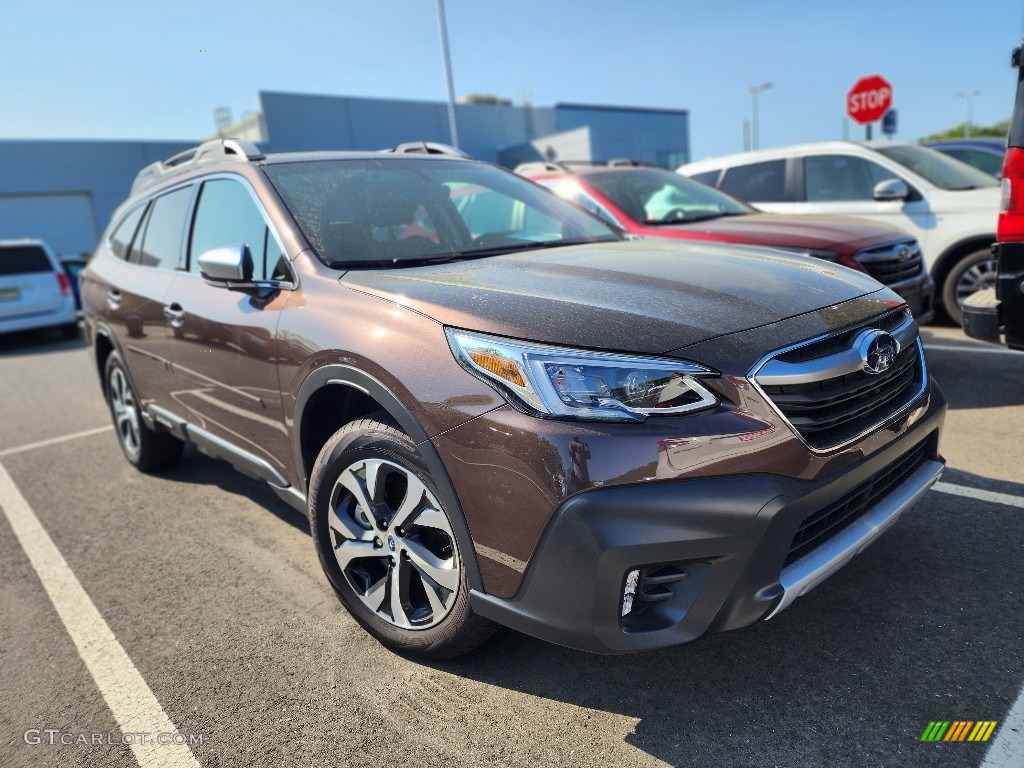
(968, 97)
(442, 25)
(754, 90)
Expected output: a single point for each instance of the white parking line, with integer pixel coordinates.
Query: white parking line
(967, 348)
(133, 704)
(1007, 750)
(980, 495)
(53, 441)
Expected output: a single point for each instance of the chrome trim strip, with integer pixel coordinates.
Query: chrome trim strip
(751, 377)
(805, 574)
(778, 373)
(242, 460)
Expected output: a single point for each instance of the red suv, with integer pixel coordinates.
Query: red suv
(650, 201)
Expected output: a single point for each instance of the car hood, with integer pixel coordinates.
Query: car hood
(646, 297)
(793, 230)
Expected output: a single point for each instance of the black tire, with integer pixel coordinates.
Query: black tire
(146, 449)
(70, 331)
(974, 271)
(378, 441)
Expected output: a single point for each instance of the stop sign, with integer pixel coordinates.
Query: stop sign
(869, 99)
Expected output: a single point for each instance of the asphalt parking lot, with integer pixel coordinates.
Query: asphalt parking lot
(211, 587)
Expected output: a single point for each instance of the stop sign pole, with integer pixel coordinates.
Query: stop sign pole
(869, 99)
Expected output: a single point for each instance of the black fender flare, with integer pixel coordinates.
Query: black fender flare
(340, 375)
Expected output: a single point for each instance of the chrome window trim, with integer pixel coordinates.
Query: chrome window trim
(909, 405)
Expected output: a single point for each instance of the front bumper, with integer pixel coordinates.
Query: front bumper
(919, 295)
(711, 551)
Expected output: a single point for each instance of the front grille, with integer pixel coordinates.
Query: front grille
(893, 263)
(819, 527)
(831, 410)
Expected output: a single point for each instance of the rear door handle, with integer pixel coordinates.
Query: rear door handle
(175, 314)
(114, 299)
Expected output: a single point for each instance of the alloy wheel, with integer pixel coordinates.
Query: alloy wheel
(394, 544)
(977, 277)
(126, 413)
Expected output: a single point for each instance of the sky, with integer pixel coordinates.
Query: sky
(158, 70)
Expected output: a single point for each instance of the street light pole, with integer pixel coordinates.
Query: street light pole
(754, 91)
(968, 97)
(442, 25)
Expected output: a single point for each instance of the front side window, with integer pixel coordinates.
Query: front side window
(757, 182)
(942, 171)
(829, 178)
(402, 211)
(161, 240)
(228, 215)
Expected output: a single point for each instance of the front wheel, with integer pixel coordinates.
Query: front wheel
(387, 544)
(973, 272)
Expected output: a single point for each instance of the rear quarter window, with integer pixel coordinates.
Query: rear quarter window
(757, 182)
(23, 260)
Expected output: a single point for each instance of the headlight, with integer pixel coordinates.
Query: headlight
(566, 383)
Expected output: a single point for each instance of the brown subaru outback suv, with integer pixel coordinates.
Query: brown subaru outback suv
(493, 410)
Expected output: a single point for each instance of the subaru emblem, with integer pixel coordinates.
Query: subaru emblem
(877, 349)
(903, 253)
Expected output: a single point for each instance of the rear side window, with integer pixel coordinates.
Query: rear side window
(161, 241)
(121, 240)
(757, 182)
(24, 259)
(707, 177)
(227, 215)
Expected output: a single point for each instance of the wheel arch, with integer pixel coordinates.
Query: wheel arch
(336, 394)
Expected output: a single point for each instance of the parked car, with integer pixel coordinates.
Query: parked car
(984, 154)
(997, 313)
(35, 291)
(472, 388)
(653, 202)
(947, 205)
(73, 265)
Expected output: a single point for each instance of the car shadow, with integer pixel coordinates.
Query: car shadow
(858, 667)
(976, 377)
(196, 468)
(35, 342)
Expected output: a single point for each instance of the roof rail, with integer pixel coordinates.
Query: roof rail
(209, 152)
(628, 162)
(426, 148)
(542, 166)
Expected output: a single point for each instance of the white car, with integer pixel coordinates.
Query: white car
(35, 291)
(947, 205)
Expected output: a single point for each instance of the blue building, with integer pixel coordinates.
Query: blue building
(64, 192)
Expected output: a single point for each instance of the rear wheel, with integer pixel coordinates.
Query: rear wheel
(387, 544)
(147, 449)
(973, 272)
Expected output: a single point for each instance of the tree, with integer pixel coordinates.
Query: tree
(999, 131)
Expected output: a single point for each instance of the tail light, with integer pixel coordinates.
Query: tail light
(1011, 211)
(65, 284)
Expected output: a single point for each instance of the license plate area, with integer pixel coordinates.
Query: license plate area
(9, 294)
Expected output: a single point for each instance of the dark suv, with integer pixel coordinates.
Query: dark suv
(493, 409)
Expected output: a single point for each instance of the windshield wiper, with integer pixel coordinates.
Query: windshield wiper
(415, 261)
(500, 250)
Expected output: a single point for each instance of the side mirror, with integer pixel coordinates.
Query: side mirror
(891, 189)
(227, 264)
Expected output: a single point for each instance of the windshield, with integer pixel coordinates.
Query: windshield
(942, 171)
(400, 211)
(654, 196)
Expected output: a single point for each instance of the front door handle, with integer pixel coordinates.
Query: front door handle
(114, 299)
(175, 314)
